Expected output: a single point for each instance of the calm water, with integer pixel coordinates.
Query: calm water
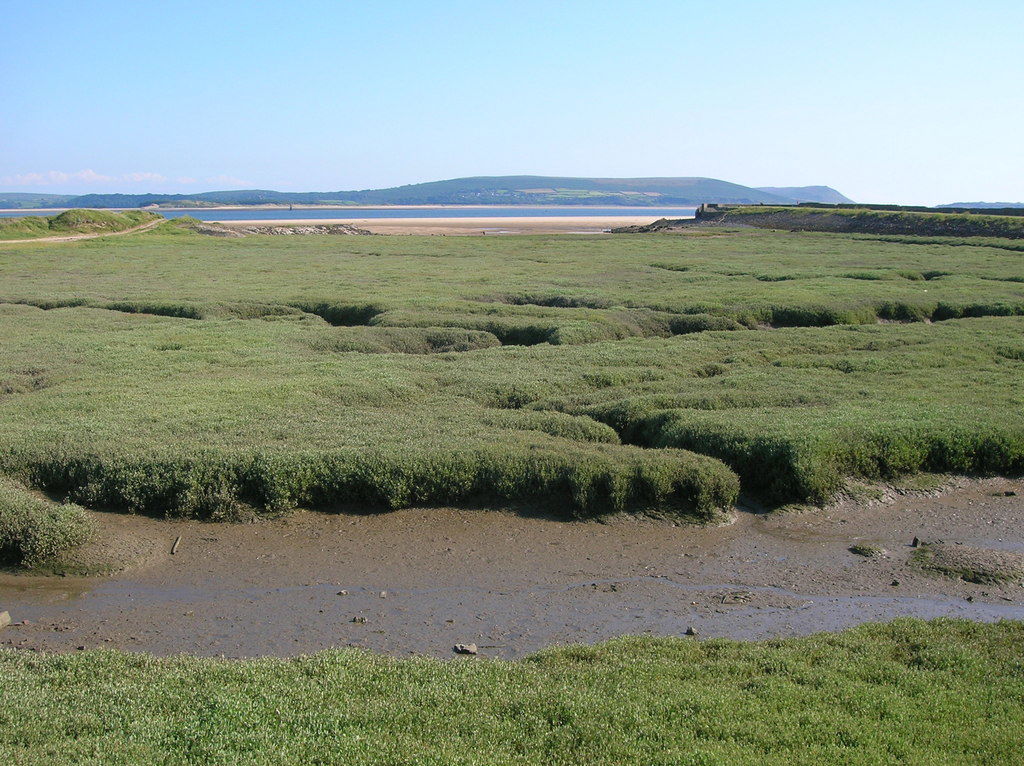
(390, 212)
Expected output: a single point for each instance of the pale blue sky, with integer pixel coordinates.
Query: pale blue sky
(916, 102)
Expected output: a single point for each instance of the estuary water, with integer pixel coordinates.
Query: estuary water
(307, 213)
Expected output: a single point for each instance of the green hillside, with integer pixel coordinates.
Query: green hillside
(21, 200)
(807, 193)
(480, 190)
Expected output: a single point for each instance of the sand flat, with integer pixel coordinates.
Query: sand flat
(589, 224)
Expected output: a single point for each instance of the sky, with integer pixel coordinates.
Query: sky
(897, 101)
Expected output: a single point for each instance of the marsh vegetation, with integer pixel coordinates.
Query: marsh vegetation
(183, 375)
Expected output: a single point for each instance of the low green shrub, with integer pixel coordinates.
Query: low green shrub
(33, 530)
(572, 427)
(404, 340)
(575, 479)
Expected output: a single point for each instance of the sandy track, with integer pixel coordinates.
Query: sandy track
(510, 583)
(75, 237)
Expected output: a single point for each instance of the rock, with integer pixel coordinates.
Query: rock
(915, 543)
(359, 620)
(691, 631)
(465, 649)
(342, 592)
(5, 619)
(894, 583)
(383, 594)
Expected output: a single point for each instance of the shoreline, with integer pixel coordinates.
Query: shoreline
(270, 206)
(460, 226)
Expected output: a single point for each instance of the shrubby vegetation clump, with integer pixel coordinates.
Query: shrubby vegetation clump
(573, 481)
(33, 530)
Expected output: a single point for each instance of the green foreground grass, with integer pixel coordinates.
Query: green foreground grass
(175, 374)
(944, 692)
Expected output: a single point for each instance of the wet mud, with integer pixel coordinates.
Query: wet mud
(419, 581)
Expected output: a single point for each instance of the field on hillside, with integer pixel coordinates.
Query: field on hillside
(177, 374)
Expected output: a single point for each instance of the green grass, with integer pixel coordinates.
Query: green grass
(944, 692)
(76, 221)
(176, 374)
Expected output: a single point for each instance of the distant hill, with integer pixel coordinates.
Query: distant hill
(983, 205)
(480, 190)
(28, 200)
(807, 193)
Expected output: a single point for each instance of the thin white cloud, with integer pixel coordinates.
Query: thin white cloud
(88, 176)
(143, 177)
(53, 177)
(226, 181)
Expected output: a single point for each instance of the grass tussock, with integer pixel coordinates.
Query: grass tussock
(34, 531)
(910, 691)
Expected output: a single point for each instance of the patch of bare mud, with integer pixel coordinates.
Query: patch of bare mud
(421, 580)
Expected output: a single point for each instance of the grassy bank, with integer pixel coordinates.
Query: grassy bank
(941, 692)
(76, 221)
(853, 220)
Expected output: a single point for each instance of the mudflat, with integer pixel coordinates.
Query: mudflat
(418, 581)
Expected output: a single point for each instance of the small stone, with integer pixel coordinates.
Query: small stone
(915, 543)
(970, 598)
(359, 620)
(691, 631)
(465, 649)
(383, 594)
(5, 619)
(342, 592)
(894, 583)
(81, 648)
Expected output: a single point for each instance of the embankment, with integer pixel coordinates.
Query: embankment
(846, 220)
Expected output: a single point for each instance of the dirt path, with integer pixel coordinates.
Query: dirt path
(75, 237)
(418, 581)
